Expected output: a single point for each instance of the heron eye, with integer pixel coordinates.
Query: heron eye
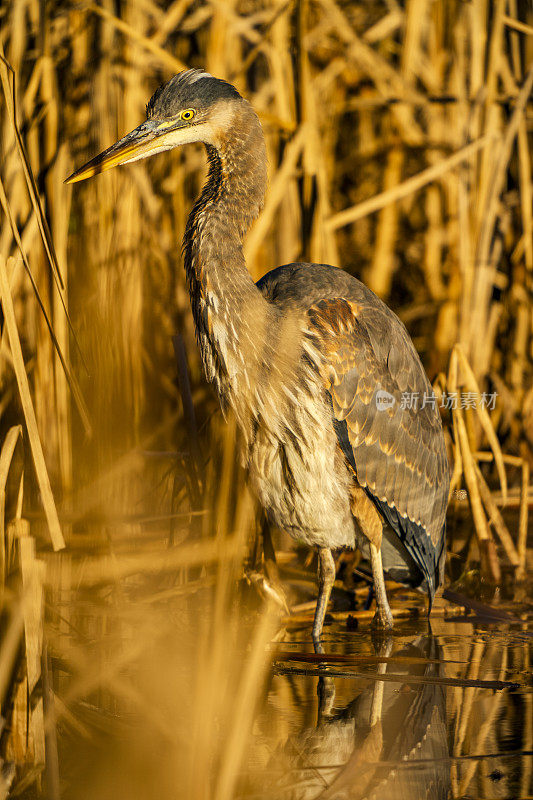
(187, 114)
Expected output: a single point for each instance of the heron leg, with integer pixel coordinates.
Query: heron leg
(326, 698)
(326, 579)
(376, 708)
(383, 617)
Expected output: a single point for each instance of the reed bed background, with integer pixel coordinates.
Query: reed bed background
(399, 144)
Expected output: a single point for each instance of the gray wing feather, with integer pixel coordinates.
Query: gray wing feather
(399, 453)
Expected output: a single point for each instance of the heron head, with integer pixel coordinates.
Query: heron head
(191, 107)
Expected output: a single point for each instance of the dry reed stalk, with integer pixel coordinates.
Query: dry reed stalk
(221, 686)
(62, 417)
(465, 446)
(527, 737)
(6, 456)
(383, 261)
(93, 572)
(46, 236)
(526, 191)
(6, 779)
(378, 70)
(170, 20)
(496, 519)
(489, 560)
(433, 245)
(317, 158)
(29, 414)
(32, 571)
(385, 27)
(523, 522)
(93, 494)
(146, 43)
(247, 695)
(189, 416)
(463, 178)
(3, 555)
(307, 113)
(409, 186)
(491, 120)
(516, 25)
(468, 695)
(486, 265)
(516, 554)
(10, 530)
(59, 350)
(480, 736)
(19, 746)
(50, 732)
(512, 461)
(11, 642)
(281, 68)
(469, 381)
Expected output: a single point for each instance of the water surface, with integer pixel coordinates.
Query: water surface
(419, 714)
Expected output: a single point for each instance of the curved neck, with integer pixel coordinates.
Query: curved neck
(224, 298)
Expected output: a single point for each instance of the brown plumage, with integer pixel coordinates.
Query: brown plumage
(303, 359)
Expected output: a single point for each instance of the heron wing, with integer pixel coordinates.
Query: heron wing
(370, 369)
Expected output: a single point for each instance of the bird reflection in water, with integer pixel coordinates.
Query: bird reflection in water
(389, 743)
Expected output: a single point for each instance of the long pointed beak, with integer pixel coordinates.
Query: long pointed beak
(147, 139)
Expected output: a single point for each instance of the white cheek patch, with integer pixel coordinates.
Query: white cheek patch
(221, 119)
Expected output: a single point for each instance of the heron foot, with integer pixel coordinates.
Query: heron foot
(383, 616)
(382, 620)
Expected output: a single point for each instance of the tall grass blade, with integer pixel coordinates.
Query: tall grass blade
(41, 471)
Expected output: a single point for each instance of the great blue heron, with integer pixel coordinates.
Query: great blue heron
(313, 365)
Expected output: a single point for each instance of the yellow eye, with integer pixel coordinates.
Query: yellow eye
(187, 114)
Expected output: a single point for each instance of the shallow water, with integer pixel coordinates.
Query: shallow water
(445, 714)
(150, 676)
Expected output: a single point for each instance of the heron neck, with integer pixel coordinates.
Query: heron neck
(225, 302)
